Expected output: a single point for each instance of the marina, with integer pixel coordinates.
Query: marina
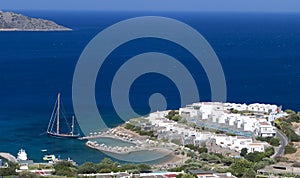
(122, 141)
(8, 157)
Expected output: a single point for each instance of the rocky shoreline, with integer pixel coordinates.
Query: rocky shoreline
(10, 21)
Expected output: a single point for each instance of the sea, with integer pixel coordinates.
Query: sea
(259, 54)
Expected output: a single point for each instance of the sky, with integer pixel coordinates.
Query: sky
(155, 5)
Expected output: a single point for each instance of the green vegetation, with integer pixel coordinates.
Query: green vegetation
(241, 167)
(10, 170)
(289, 149)
(289, 111)
(244, 152)
(231, 134)
(107, 165)
(197, 148)
(173, 115)
(293, 117)
(139, 130)
(186, 176)
(271, 140)
(206, 161)
(281, 159)
(65, 168)
(259, 156)
(27, 174)
(234, 111)
(286, 127)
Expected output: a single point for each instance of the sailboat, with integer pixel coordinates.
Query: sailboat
(55, 120)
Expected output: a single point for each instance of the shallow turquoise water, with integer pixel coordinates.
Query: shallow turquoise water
(112, 142)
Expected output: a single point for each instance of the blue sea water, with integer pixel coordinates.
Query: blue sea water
(259, 53)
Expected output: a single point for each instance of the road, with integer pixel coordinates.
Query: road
(283, 142)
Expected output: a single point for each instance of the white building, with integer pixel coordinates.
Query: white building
(237, 143)
(265, 129)
(260, 147)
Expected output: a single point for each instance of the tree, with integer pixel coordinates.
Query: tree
(240, 166)
(294, 118)
(65, 168)
(244, 152)
(87, 168)
(107, 165)
(10, 170)
(260, 165)
(65, 171)
(274, 141)
(144, 167)
(176, 118)
(185, 176)
(289, 149)
(269, 151)
(27, 174)
(190, 154)
(173, 115)
(202, 150)
(249, 174)
(289, 111)
(255, 156)
(129, 126)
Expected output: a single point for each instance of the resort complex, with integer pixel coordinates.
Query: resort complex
(239, 123)
(213, 135)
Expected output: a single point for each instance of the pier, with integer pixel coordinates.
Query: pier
(8, 156)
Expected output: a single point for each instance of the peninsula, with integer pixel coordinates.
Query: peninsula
(10, 21)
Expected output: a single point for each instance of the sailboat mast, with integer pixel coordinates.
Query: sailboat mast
(72, 125)
(58, 111)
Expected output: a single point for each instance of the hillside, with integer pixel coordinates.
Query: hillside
(10, 21)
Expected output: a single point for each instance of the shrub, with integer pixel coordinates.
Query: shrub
(244, 152)
(10, 170)
(129, 126)
(260, 165)
(240, 167)
(249, 173)
(270, 160)
(281, 159)
(65, 168)
(255, 156)
(27, 174)
(289, 149)
(269, 151)
(87, 168)
(271, 140)
(274, 141)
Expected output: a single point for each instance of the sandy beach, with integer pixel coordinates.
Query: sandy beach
(174, 161)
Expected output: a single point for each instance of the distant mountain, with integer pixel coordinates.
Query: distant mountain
(10, 21)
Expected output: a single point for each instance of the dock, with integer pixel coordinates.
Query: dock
(8, 156)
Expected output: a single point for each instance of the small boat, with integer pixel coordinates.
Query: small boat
(44, 150)
(55, 120)
(49, 158)
(22, 155)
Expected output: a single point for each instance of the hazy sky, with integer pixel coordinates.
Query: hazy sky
(154, 5)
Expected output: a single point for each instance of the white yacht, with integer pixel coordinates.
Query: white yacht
(22, 155)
